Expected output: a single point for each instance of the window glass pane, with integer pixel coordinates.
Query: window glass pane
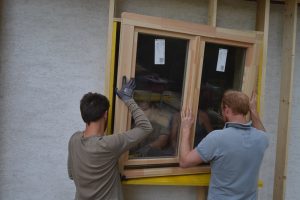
(159, 75)
(223, 68)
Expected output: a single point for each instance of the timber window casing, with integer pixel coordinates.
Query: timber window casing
(198, 40)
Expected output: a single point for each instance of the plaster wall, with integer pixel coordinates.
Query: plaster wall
(52, 52)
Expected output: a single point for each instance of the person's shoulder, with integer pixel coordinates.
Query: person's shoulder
(215, 134)
(261, 135)
(73, 138)
(75, 135)
(260, 132)
(107, 140)
(264, 134)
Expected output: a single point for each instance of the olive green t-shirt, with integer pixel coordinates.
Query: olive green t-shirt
(93, 161)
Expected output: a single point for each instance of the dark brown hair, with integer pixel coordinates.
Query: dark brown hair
(93, 106)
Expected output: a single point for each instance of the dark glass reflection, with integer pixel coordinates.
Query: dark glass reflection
(159, 89)
(214, 83)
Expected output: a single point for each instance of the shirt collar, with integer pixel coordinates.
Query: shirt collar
(238, 125)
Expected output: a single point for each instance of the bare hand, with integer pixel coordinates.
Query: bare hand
(253, 102)
(256, 122)
(187, 119)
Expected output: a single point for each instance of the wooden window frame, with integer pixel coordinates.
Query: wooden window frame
(198, 35)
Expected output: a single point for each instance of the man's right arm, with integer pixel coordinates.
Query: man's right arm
(124, 141)
(140, 119)
(188, 157)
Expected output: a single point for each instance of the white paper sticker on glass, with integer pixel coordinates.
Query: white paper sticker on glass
(159, 52)
(222, 60)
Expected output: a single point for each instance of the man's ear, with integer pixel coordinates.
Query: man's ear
(226, 109)
(106, 114)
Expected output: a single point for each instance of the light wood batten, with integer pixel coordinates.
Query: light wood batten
(286, 91)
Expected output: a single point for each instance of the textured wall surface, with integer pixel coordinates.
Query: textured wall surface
(190, 10)
(53, 51)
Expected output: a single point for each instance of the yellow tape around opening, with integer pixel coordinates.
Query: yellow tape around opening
(111, 78)
(183, 180)
(259, 81)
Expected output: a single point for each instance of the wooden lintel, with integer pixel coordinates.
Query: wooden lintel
(166, 171)
(178, 26)
(286, 90)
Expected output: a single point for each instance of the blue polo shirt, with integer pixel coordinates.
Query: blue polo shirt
(235, 154)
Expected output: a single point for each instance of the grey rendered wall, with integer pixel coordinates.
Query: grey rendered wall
(53, 51)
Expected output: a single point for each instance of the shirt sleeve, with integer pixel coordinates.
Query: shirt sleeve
(70, 162)
(264, 138)
(207, 148)
(120, 143)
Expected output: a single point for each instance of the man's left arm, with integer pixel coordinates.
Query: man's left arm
(188, 157)
(256, 122)
(69, 164)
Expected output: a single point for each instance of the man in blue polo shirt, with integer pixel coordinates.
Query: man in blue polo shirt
(235, 152)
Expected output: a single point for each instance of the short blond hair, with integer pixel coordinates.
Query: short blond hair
(237, 101)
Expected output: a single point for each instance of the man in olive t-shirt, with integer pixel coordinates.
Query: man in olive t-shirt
(93, 156)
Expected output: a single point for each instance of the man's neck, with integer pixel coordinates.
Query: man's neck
(241, 119)
(93, 129)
